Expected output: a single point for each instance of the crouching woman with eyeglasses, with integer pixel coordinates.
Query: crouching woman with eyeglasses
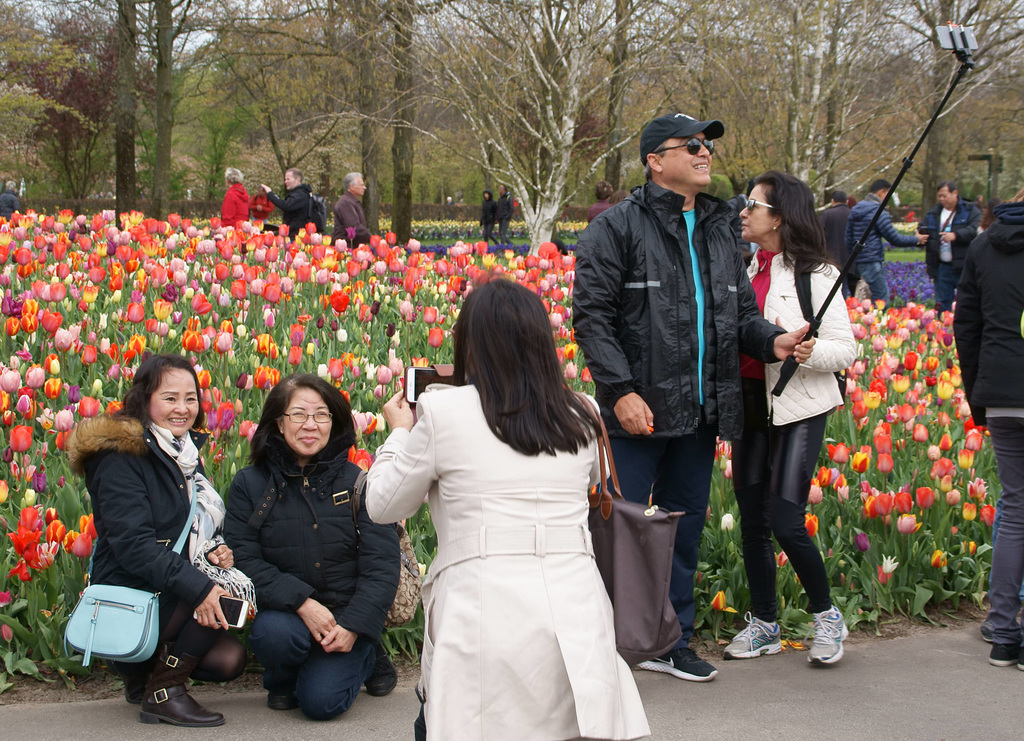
(324, 577)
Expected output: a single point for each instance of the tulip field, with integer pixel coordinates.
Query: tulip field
(902, 505)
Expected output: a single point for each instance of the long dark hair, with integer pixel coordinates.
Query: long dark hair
(343, 429)
(504, 346)
(147, 380)
(800, 234)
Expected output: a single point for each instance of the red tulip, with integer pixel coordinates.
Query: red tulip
(925, 497)
(988, 514)
(885, 463)
(903, 502)
(88, 407)
(435, 338)
(21, 438)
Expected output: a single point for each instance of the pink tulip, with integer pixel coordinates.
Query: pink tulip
(906, 524)
(10, 381)
(35, 377)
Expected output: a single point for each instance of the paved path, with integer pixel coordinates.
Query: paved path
(936, 684)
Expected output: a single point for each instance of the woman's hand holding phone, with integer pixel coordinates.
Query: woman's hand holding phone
(398, 413)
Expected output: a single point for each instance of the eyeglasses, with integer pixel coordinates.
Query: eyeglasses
(299, 418)
(752, 204)
(693, 146)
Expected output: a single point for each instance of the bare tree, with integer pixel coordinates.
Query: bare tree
(525, 77)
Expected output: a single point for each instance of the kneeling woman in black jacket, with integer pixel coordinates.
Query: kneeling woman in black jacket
(142, 469)
(324, 581)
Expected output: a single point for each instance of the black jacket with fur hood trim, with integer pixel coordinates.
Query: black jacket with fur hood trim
(140, 505)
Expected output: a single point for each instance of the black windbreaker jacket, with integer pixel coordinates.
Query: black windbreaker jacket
(634, 312)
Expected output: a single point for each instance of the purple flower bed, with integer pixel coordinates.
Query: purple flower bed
(909, 281)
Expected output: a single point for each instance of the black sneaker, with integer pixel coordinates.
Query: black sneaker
(384, 677)
(1004, 654)
(986, 631)
(681, 663)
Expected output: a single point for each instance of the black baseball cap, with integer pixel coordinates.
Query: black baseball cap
(675, 125)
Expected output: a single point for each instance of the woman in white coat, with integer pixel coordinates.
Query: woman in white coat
(519, 641)
(774, 461)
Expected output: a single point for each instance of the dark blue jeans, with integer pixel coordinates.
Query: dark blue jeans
(873, 273)
(676, 473)
(946, 281)
(1008, 554)
(325, 684)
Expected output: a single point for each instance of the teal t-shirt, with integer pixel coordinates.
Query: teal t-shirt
(690, 219)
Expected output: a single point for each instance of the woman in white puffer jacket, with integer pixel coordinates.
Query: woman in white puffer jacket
(774, 461)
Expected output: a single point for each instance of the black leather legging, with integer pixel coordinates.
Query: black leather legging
(772, 468)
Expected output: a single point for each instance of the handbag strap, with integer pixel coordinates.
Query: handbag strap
(606, 460)
(181, 538)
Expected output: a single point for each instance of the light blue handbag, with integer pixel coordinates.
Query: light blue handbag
(118, 623)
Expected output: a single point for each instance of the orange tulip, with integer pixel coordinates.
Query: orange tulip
(970, 511)
(811, 524)
(52, 388)
(965, 458)
(860, 461)
(938, 559)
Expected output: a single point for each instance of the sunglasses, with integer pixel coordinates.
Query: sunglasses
(752, 204)
(693, 146)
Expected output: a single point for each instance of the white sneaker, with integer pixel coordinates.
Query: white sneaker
(756, 639)
(829, 633)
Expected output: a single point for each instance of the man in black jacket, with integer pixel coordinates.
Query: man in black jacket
(833, 221)
(295, 204)
(505, 208)
(950, 224)
(662, 308)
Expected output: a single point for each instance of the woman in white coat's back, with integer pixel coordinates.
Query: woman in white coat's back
(519, 640)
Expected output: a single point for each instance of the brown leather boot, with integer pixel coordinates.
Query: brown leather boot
(134, 677)
(167, 697)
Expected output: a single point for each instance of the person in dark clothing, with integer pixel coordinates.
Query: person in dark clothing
(737, 203)
(504, 216)
(9, 202)
(662, 308)
(871, 260)
(142, 470)
(602, 192)
(295, 204)
(488, 214)
(990, 345)
(324, 580)
(833, 221)
(950, 224)
(349, 217)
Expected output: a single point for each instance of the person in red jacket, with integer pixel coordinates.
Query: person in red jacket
(235, 208)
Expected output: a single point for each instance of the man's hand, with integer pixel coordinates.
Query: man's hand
(634, 415)
(793, 343)
(921, 238)
(948, 236)
(264, 188)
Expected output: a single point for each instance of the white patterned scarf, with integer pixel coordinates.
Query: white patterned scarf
(209, 519)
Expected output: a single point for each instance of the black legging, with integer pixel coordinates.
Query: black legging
(772, 470)
(223, 656)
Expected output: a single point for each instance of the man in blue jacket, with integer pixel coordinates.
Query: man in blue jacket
(871, 260)
(951, 224)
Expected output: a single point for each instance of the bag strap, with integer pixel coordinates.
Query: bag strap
(803, 294)
(603, 497)
(355, 500)
(259, 515)
(181, 538)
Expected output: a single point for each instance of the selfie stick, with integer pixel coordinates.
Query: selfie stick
(961, 41)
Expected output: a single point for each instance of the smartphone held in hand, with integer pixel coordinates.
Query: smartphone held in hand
(417, 378)
(236, 611)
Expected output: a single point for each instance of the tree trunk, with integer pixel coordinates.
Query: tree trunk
(124, 106)
(405, 113)
(617, 94)
(367, 102)
(164, 108)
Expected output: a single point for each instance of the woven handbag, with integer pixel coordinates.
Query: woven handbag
(118, 623)
(410, 583)
(633, 547)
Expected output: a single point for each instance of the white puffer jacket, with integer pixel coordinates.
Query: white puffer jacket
(813, 389)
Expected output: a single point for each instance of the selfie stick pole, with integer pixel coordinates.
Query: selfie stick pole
(963, 53)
